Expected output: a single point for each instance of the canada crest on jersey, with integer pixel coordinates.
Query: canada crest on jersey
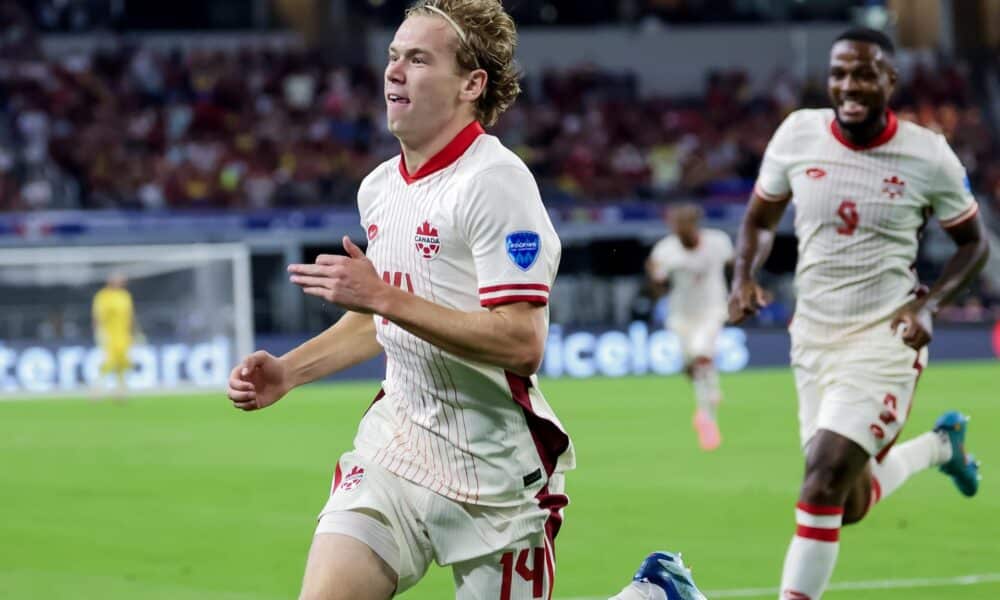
(893, 187)
(523, 248)
(353, 479)
(427, 241)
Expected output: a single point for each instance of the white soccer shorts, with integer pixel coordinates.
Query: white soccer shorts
(697, 337)
(504, 553)
(861, 389)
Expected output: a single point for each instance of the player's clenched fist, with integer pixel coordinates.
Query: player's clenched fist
(257, 382)
(745, 300)
(349, 281)
(917, 323)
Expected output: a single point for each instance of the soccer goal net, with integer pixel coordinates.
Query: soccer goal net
(192, 316)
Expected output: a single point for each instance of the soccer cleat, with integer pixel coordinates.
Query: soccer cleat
(666, 571)
(709, 437)
(962, 468)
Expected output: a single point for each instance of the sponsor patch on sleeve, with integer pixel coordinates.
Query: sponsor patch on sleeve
(523, 248)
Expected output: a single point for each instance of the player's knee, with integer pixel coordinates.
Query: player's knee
(857, 504)
(852, 517)
(699, 367)
(825, 484)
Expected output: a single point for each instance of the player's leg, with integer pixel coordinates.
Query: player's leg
(119, 365)
(888, 409)
(369, 543)
(101, 387)
(943, 447)
(833, 464)
(813, 550)
(698, 344)
(341, 567)
(524, 570)
(707, 396)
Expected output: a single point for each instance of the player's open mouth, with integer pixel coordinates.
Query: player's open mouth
(397, 99)
(850, 109)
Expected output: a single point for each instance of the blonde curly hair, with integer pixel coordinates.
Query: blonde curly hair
(487, 39)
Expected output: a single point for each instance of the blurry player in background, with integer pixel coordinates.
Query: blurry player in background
(863, 184)
(691, 265)
(113, 317)
(459, 459)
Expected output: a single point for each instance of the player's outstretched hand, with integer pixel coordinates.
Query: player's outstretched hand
(917, 323)
(349, 281)
(257, 382)
(746, 299)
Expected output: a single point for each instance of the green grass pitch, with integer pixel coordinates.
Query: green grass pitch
(185, 498)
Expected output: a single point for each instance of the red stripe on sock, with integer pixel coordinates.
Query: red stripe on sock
(818, 533)
(819, 510)
(876, 490)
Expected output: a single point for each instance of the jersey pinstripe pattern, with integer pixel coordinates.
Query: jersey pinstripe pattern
(859, 212)
(446, 423)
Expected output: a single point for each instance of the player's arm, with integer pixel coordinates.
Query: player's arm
(261, 379)
(952, 201)
(130, 322)
(753, 246)
(770, 197)
(511, 336)
(659, 283)
(348, 342)
(971, 253)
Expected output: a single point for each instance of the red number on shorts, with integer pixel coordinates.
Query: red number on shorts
(535, 573)
(888, 416)
(848, 213)
(396, 280)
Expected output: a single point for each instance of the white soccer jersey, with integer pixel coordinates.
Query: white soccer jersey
(468, 232)
(697, 275)
(858, 215)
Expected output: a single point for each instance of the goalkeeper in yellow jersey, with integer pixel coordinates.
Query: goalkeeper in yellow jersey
(114, 318)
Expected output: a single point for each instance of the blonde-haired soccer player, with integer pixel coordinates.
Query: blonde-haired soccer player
(459, 459)
(113, 316)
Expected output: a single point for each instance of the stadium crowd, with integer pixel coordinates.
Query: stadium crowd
(260, 128)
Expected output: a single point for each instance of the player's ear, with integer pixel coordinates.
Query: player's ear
(474, 85)
(893, 75)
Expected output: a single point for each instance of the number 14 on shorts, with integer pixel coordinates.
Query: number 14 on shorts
(529, 566)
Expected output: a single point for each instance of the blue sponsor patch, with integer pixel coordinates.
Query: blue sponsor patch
(523, 248)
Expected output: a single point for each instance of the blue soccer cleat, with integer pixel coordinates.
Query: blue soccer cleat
(667, 571)
(962, 468)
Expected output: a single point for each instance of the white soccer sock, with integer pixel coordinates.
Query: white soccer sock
(922, 452)
(706, 388)
(641, 590)
(812, 553)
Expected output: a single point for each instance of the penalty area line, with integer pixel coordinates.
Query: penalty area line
(884, 584)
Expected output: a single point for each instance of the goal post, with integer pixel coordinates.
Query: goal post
(193, 313)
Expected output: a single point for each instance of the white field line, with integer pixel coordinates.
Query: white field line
(885, 584)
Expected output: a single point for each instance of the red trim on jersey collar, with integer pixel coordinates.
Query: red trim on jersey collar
(891, 126)
(448, 155)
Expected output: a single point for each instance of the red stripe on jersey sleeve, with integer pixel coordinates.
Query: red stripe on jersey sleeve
(963, 217)
(541, 287)
(759, 191)
(542, 300)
